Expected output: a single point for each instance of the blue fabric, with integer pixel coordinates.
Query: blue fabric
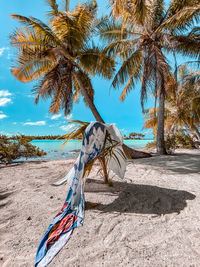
(92, 146)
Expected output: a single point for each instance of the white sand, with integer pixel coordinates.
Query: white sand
(151, 218)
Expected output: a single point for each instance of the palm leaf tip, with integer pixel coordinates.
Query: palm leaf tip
(12, 16)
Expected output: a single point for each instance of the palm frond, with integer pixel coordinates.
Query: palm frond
(95, 61)
(150, 117)
(131, 66)
(177, 5)
(77, 133)
(54, 8)
(137, 11)
(186, 45)
(29, 38)
(158, 10)
(73, 28)
(31, 70)
(110, 29)
(182, 19)
(57, 83)
(39, 26)
(122, 48)
(195, 33)
(129, 86)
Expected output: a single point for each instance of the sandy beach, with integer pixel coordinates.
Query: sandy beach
(151, 218)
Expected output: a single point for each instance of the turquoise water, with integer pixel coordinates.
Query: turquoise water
(71, 150)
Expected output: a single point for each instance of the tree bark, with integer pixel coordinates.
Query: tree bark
(134, 154)
(196, 132)
(67, 5)
(88, 99)
(161, 115)
(104, 168)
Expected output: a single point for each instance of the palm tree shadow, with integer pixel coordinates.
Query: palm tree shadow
(145, 199)
(181, 163)
(20, 163)
(4, 194)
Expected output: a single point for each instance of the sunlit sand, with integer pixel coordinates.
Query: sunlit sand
(151, 218)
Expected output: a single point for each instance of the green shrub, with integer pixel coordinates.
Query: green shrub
(19, 147)
(151, 145)
(177, 140)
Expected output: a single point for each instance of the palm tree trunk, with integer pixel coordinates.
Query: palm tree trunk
(88, 99)
(134, 154)
(161, 115)
(196, 132)
(67, 5)
(104, 168)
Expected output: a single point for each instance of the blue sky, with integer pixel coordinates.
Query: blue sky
(19, 114)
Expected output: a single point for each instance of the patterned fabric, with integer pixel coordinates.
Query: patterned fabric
(72, 212)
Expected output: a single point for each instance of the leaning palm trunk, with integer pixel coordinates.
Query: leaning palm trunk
(88, 99)
(134, 154)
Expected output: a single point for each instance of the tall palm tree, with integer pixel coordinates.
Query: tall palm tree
(141, 36)
(182, 109)
(61, 55)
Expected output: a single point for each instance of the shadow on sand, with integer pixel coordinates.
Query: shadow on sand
(144, 199)
(181, 163)
(19, 163)
(3, 195)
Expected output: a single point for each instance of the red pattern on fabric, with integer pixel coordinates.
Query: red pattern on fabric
(61, 227)
(62, 209)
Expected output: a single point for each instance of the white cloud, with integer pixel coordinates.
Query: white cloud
(68, 117)
(68, 127)
(31, 96)
(2, 116)
(37, 123)
(4, 93)
(5, 133)
(2, 49)
(56, 116)
(4, 101)
(14, 123)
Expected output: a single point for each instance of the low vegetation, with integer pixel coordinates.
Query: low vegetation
(39, 137)
(12, 149)
(174, 141)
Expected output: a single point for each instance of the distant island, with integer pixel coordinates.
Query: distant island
(131, 136)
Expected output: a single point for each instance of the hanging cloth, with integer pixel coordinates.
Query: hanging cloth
(72, 212)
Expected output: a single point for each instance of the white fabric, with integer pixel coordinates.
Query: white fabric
(117, 166)
(54, 249)
(113, 164)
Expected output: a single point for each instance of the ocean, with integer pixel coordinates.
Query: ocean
(72, 148)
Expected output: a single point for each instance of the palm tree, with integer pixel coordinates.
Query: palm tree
(141, 36)
(184, 103)
(61, 55)
(182, 109)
